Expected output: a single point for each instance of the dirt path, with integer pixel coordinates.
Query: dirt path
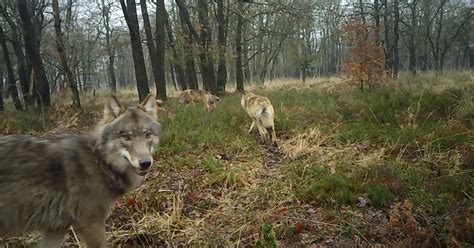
(272, 155)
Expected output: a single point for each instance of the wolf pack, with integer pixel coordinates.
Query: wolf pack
(54, 182)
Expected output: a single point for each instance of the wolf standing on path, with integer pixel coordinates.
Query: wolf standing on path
(49, 184)
(260, 109)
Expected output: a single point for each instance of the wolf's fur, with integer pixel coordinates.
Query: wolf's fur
(50, 183)
(260, 109)
(199, 96)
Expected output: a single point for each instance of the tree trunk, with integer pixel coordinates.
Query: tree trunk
(411, 39)
(176, 60)
(190, 66)
(31, 46)
(396, 34)
(245, 55)
(2, 106)
(109, 47)
(207, 64)
(72, 58)
(16, 43)
(149, 39)
(150, 43)
(362, 11)
(435, 46)
(160, 78)
(12, 89)
(377, 19)
(427, 30)
(130, 13)
(239, 75)
(71, 81)
(222, 41)
(388, 48)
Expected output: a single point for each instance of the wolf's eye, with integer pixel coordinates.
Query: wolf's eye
(147, 135)
(125, 137)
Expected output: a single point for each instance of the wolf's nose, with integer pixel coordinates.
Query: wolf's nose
(144, 164)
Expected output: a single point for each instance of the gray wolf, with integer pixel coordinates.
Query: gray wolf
(260, 109)
(199, 96)
(50, 183)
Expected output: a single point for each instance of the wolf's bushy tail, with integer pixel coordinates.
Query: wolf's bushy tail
(266, 115)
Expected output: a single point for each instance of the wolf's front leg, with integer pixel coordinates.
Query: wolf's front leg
(93, 234)
(252, 126)
(52, 239)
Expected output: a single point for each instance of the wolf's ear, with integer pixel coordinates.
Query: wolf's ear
(150, 106)
(112, 109)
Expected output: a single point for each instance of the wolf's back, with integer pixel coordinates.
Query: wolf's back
(39, 184)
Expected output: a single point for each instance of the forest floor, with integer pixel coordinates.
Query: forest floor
(392, 166)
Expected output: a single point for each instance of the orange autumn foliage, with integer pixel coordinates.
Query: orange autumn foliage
(365, 60)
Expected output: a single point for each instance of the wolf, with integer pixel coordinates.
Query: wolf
(200, 96)
(260, 109)
(50, 183)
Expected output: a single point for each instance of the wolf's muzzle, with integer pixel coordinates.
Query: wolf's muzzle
(144, 164)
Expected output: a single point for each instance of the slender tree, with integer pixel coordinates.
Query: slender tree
(106, 15)
(17, 42)
(152, 50)
(396, 38)
(190, 66)
(71, 81)
(222, 42)
(2, 107)
(176, 60)
(160, 48)
(412, 31)
(239, 75)
(41, 87)
(205, 35)
(130, 13)
(12, 89)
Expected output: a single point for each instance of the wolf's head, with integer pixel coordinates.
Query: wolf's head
(213, 99)
(126, 136)
(243, 100)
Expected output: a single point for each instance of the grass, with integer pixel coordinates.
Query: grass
(354, 167)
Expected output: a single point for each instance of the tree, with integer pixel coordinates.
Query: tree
(205, 55)
(16, 41)
(156, 53)
(2, 107)
(239, 75)
(130, 14)
(160, 48)
(190, 67)
(222, 42)
(76, 102)
(365, 61)
(12, 89)
(30, 36)
(176, 60)
(396, 38)
(206, 63)
(412, 34)
(110, 48)
(388, 48)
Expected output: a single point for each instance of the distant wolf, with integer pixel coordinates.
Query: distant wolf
(50, 183)
(260, 109)
(201, 96)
